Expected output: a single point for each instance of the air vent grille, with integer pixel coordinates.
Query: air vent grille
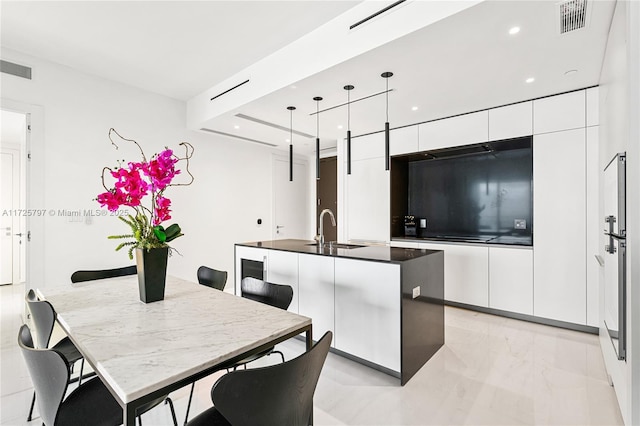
(273, 125)
(573, 15)
(229, 135)
(15, 69)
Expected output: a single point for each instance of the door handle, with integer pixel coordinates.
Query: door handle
(18, 235)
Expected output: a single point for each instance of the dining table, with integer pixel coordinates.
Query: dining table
(142, 351)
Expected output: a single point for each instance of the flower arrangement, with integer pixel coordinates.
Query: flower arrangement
(133, 182)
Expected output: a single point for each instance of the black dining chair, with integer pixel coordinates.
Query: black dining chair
(44, 318)
(277, 295)
(212, 277)
(280, 394)
(89, 404)
(81, 276)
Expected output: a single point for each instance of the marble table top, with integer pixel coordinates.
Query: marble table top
(138, 348)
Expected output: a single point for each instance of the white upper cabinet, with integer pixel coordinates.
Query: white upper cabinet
(593, 108)
(368, 206)
(403, 140)
(365, 147)
(462, 130)
(562, 112)
(511, 121)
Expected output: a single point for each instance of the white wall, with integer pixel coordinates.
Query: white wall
(619, 132)
(74, 112)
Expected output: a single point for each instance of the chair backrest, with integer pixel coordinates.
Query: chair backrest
(80, 276)
(277, 295)
(280, 394)
(49, 373)
(44, 318)
(212, 277)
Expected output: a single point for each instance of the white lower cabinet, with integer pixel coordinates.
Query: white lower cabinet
(511, 279)
(283, 269)
(466, 273)
(316, 296)
(367, 311)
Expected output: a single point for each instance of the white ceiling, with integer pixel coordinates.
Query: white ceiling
(463, 63)
(174, 48)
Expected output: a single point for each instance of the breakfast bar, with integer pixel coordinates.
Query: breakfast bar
(384, 305)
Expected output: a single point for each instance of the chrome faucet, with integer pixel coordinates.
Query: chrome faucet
(333, 222)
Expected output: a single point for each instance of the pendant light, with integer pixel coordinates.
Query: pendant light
(348, 88)
(291, 109)
(317, 99)
(386, 76)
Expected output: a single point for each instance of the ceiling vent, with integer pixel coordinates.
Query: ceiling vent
(273, 125)
(572, 15)
(229, 135)
(15, 69)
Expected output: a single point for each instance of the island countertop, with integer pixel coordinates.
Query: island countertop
(371, 253)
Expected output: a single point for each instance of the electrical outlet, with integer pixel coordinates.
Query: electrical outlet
(520, 224)
(423, 223)
(416, 292)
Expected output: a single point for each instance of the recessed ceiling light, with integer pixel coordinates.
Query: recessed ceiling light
(530, 80)
(287, 140)
(294, 87)
(236, 127)
(514, 30)
(415, 108)
(339, 126)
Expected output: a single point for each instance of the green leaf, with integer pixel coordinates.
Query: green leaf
(173, 232)
(160, 233)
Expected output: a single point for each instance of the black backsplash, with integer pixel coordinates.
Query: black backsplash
(474, 195)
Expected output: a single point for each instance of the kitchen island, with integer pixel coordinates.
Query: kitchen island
(384, 305)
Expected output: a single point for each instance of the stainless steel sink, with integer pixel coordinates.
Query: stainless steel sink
(336, 245)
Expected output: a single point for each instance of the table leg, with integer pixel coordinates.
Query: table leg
(309, 338)
(129, 418)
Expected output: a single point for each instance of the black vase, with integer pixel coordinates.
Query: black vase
(152, 273)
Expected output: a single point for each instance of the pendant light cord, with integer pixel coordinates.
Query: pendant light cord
(348, 109)
(387, 96)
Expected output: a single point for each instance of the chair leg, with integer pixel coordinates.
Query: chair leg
(186, 417)
(139, 421)
(81, 369)
(278, 352)
(173, 411)
(33, 403)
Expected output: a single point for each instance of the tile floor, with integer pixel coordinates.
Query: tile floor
(492, 371)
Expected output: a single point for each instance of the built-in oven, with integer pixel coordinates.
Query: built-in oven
(251, 268)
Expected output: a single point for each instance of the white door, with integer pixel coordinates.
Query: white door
(290, 200)
(10, 217)
(13, 216)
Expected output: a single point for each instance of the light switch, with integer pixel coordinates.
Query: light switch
(520, 224)
(423, 223)
(416, 292)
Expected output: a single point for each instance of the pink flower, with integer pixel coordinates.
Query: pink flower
(162, 210)
(130, 183)
(161, 169)
(112, 199)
